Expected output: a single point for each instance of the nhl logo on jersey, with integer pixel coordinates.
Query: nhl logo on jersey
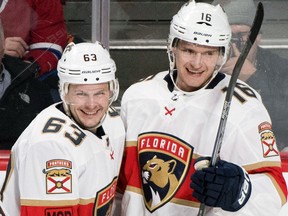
(164, 161)
(58, 176)
(268, 140)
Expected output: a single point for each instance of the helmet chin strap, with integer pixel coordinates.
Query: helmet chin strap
(171, 57)
(171, 72)
(114, 88)
(66, 109)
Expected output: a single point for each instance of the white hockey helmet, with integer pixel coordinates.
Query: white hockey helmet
(87, 63)
(200, 23)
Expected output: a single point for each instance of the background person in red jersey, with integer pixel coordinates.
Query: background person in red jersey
(34, 30)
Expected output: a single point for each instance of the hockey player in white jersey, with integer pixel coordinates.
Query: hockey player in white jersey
(67, 160)
(172, 119)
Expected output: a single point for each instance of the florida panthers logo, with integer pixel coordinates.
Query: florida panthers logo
(164, 161)
(104, 199)
(58, 176)
(268, 140)
(158, 175)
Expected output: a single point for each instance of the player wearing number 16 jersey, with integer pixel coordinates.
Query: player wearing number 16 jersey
(67, 160)
(172, 120)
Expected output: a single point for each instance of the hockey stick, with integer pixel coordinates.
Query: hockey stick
(2, 210)
(230, 91)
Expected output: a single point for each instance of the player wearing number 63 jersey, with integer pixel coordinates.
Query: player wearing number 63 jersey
(172, 120)
(67, 160)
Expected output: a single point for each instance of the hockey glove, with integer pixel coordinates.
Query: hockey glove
(225, 185)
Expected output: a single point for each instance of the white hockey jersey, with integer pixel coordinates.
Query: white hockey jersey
(57, 168)
(167, 130)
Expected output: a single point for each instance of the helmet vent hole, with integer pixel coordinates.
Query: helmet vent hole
(85, 79)
(195, 39)
(97, 79)
(207, 41)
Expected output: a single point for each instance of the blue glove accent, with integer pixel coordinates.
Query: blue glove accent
(225, 185)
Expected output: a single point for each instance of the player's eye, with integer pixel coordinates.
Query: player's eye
(80, 94)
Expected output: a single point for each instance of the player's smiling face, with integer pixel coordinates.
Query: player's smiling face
(195, 65)
(88, 103)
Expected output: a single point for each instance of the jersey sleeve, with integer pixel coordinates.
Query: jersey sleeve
(48, 34)
(41, 178)
(44, 178)
(255, 149)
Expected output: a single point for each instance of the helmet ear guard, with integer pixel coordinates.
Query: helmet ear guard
(171, 54)
(114, 88)
(171, 57)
